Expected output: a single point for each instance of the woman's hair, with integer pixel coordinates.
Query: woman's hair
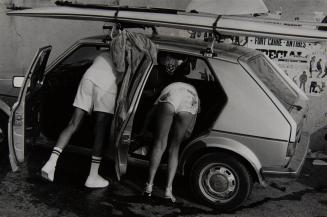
(173, 63)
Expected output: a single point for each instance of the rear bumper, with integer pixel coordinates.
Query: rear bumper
(294, 167)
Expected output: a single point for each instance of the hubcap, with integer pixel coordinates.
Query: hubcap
(218, 182)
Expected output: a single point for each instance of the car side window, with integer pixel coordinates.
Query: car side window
(38, 70)
(70, 70)
(82, 55)
(200, 70)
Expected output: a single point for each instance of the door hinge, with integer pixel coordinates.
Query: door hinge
(18, 120)
(125, 139)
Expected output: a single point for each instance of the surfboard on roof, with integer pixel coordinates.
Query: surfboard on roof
(228, 7)
(179, 19)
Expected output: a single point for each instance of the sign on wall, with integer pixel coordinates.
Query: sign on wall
(304, 62)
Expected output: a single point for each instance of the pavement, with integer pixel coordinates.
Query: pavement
(26, 194)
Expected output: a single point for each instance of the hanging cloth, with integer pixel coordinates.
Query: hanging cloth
(127, 50)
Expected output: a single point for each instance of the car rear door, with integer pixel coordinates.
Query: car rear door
(16, 126)
(127, 101)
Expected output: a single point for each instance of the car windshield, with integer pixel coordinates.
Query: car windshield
(272, 78)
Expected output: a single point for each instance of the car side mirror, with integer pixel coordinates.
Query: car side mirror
(18, 81)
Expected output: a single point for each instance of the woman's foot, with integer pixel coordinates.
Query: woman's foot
(148, 190)
(48, 171)
(169, 195)
(96, 182)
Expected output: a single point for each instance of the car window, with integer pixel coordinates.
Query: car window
(82, 55)
(70, 70)
(191, 69)
(273, 80)
(39, 70)
(199, 70)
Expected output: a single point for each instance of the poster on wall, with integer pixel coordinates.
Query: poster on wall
(304, 62)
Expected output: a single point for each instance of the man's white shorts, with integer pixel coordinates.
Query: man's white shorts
(90, 97)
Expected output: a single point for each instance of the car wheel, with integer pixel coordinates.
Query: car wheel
(220, 180)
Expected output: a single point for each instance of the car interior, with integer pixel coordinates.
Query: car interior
(49, 108)
(195, 71)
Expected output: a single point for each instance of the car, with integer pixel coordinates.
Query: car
(251, 122)
(249, 127)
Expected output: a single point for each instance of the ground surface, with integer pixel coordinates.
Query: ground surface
(24, 194)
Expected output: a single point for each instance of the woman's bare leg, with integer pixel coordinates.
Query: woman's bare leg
(181, 122)
(49, 168)
(164, 115)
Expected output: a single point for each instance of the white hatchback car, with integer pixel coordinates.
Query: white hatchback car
(249, 127)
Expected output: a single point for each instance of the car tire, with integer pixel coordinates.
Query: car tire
(221, 181)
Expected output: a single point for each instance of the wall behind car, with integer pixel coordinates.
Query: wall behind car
(303, 9)
(294, 59)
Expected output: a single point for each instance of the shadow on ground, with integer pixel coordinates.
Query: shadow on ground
(67, 196)
(122, 198)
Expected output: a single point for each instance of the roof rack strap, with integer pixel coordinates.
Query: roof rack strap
(118, 26)
(214, 28)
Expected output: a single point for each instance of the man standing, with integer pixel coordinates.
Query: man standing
(311, 66)
(319, 68)
(96, 94)
(303, 79)
(325, 70)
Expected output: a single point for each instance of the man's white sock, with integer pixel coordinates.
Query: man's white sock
(94, 180)
(55, 155)
(95, 164)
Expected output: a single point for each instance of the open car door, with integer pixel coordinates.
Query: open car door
(16, 126)
(127, 102)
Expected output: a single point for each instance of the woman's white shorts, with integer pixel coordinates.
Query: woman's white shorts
(182, 96)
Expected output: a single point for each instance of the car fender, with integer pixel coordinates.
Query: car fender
(222, 143)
